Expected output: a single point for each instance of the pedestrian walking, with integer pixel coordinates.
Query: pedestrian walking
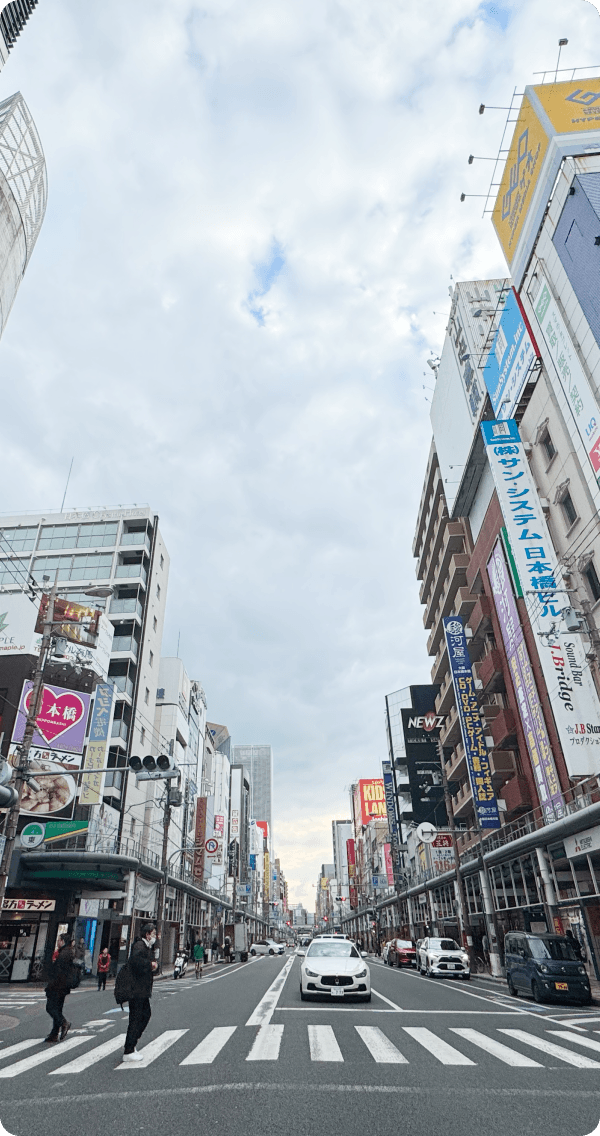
(198, 957)
(61, 978)
(576, 945)
(104, 961)
(214, 949)
(227, 948)
(142, 965)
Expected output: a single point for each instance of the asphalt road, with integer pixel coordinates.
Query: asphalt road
(237, 1052)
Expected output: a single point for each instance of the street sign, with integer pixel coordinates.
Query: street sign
(33, 835)
(211, 846)
(427, 832)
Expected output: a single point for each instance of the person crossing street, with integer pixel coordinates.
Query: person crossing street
(198, 957)
(142, 966)
(103, 968)
(61, 979)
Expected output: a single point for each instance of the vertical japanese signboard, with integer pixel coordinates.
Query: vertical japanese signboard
(571, 691)
(97, 747)
(199, 838)
(471, 726)
(390, 804)
(351, 857)
(523, 679)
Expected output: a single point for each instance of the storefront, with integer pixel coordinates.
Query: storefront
(24, 928)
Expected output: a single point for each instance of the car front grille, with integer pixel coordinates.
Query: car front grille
(336, 980)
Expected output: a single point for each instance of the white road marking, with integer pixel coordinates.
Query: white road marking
(323, 1044)
(90, 1058)
(210, 1047)
(20, 1045)
(384, 999)
(266, 1044)
(438, 1048)
(39, 1058)
(587, 1041)
(261, 1015)
(553, 1050)
(380, 1047)
(154, 1049)
(497, 1049)
(99, 1022)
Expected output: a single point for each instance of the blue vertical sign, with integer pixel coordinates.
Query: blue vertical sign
(471, 726)
(390, 804)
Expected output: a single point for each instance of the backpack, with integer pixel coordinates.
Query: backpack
(76, 973)
(124, 984)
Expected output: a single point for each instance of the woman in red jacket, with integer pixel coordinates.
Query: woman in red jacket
(103, 966)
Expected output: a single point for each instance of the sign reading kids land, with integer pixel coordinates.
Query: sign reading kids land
(62, 719)
(471, 726)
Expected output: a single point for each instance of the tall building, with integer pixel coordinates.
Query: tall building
(23, 195)
(14, 14)
(258, 760)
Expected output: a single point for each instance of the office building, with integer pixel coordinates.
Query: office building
(14, 14)
(258, 760)
(23, 195)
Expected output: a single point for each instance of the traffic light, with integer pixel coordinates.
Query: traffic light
(150, 768)
(8, 795)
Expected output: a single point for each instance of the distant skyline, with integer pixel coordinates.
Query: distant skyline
(253, 220)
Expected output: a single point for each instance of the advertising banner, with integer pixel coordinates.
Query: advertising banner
(471, 726)
(351, 858)
(199, 838)
(98, 743)
(28, 904)
(571, 691)
(421, 733)
(371, 799)
(57, 793)
(583, 419)
(17, 626)
(442, 853)
(511, 358)
(390, 803)
(79, 623)
(61, 721)
(218, 825)
(523, 679)
(389, 867)
(266, 883)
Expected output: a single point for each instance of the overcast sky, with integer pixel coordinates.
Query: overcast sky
(253, 220)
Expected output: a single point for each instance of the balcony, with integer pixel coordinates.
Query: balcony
(119, 730)
(503, 728)
(123, 643)
(126, 607)
(450, 732)
(455, 579)
(489, 671)
(137, 539)
(480, 619)
(445, 699)
(517, 795)
(462, 803)
(445, 569)
(456, 768)
(440, 663)
(123, 684)
(449, 539)
(131, 572)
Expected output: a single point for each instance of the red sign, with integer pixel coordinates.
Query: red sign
(389, 867)
(199, 838)
(369, 800)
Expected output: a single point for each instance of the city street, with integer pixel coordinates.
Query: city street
(238, 1050)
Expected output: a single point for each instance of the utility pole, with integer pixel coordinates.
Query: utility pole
(162, 893)
(23, 766)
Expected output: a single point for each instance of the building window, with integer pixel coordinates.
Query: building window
(142, 735)
(569, 509)
(162, 561)
(158, 591)
(151, 658)
(154, 623)
(593, 582)
(147, 696)
(549, 447)
(132, 826)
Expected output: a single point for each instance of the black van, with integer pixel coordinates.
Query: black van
(546, 967)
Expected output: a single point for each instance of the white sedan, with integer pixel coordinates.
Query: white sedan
(267, 947)
(334, 968)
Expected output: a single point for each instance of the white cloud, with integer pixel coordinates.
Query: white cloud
(186, 146)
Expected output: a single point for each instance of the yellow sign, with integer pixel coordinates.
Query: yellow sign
(526, 154)
(547, 112)
(324, 882)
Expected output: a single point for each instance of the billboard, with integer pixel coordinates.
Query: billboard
(199, 838)
(390, 804)
(369, 800)
(57, 793)
(511, 358)
(523, 680)
(471, 726)
(389, 867)
(571, 691)
(98, 743)
(421, 733)
(17, 626)
(554, 120)
(62, 719)
(79, 623)
(351, 858)
(441, 851)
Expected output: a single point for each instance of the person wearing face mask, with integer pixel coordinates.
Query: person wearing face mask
(142, 966)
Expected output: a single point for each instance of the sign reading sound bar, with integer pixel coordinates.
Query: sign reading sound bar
(571, 691)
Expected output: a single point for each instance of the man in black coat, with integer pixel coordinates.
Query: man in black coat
(60, 981)
(142, 966)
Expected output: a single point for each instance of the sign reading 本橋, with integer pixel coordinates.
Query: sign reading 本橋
(471, 726)
(571, 691)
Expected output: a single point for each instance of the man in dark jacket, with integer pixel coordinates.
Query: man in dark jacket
(60, 981)
(142, 966)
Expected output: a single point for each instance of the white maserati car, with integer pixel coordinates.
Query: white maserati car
(336, 968)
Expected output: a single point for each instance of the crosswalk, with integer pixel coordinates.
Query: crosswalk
(460, 1046)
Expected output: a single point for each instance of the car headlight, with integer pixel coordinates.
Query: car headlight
(581, 970)
(361, 973)
(543, 967)
(465, 958)
(310, 973)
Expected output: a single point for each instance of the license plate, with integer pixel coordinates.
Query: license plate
(561, 985)
(337, 993)
(451, 966)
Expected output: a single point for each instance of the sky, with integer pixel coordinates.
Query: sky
(253, 221)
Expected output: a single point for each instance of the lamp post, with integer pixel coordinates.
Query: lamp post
(23, 769)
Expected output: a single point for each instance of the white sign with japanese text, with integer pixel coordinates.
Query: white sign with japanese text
(571, 691)
(28, 904)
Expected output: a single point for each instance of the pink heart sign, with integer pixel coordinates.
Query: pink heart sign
(59, 712)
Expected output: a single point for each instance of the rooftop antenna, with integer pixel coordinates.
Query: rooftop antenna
(67, 485)
(561, 43)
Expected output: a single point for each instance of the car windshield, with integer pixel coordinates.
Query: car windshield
(558, 949)
(330, 949)
(404, 945)
(443, 945)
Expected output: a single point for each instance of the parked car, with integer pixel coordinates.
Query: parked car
(443, 957)
(401, 953)
(267, 947)
(335, 968)
(546, 967)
